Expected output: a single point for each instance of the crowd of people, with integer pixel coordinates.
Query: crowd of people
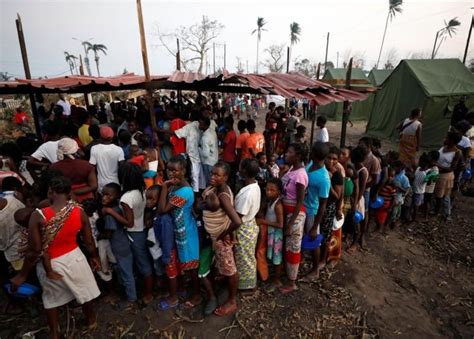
(106, 201)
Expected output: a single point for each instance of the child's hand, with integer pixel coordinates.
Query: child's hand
(95, 264)
(106, 210)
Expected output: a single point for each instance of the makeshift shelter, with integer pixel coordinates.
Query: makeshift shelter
(378, 76)
(359, 82)
(435, 86)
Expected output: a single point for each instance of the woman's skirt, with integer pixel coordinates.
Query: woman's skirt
(407, 149)
(245, 260)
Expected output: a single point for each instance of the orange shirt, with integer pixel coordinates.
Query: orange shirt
(255, 141)
(242, 144)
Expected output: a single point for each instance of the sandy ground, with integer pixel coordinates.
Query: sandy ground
(416, 282)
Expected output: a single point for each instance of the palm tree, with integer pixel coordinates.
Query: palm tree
(394, 7)
(5, 77)
(71, 60)
(96, 48)
(449, 28)
(260, 23)
(87, 45)
(295, 32)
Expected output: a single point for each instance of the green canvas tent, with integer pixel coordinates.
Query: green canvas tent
(435, 86)
(359, 82)
(378, 76)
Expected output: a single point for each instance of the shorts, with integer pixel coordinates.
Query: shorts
(141, 254)
(309, 222)
(444, 185)
(225, 261)
(205, 261)
(366, 200)
(106, 258)
(418, 199)
(195, 175)
(77, 283)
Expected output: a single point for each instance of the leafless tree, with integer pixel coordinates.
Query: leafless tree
(306, 67)
(391, 59)
(274, 61)
(195, 42)
(358, 58)
(419, 55)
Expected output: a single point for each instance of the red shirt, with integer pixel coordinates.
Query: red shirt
(256, 142)
(138, 160)
(66, 239)
(179, 144)
(229, 146)
(241, 144)
(21, 118)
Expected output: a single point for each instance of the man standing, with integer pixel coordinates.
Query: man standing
(106, 157)
(208, 150)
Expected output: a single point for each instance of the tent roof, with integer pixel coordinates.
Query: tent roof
(340, 74)
(440, 77)
(378, 76)
(287, 85)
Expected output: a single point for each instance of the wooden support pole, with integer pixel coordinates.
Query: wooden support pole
(318, 70)
(178, 68)
(225, 55)
(214, 58)
(26, 66)
(81, 72)
(468, 40)
(146, 67)
(345, 113)
(327, 49)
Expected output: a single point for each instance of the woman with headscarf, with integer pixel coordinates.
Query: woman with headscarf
(80, 172)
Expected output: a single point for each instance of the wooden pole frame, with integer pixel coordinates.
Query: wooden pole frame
(345, 113)
(146, 67)
(26, 67)
(468, 40)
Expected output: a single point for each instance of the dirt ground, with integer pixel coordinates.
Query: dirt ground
(416, 282)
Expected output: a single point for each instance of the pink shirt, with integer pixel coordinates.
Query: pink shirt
(290, 179)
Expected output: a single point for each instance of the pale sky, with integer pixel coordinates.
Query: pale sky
(354, 26)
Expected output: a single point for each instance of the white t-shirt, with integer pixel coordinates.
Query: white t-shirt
(411, 128)
(9, 229)
(419, 184)
(48, 151)
(208, 148)
(66, 107)
(465, 142)
(247, 202)
(322, 135)
(106, 158)
(192, 134)
(137, 202)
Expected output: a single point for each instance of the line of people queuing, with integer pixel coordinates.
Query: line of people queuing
(197, 202)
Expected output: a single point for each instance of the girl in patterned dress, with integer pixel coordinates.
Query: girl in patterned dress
(177, 198)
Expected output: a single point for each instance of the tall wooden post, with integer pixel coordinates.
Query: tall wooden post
(146, 67)
(468, 40)
(326, 57)
(214, 57)
(313, 121)
(345, 113)
(178, 68)
(81, 72)
(26, 66)
(225, 55)
(318, 70)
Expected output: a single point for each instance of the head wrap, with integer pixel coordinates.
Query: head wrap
(67, 147)
(106, 133)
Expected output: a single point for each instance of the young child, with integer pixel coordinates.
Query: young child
(119, 242)
(138, 158)
(263, 171)
(274, 169)
(274, 220)
(101, 240)
(432, 176)
(419, 184)
(388, 192)
(402, 184)
(322, 134)
(152, 195)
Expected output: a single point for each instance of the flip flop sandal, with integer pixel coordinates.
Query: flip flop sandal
(287, 290)
(165, 305)
(210, 307)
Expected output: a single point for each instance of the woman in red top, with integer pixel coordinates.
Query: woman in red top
(53, 230)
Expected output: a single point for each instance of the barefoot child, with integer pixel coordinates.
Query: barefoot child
(274, 219)
(388, 193)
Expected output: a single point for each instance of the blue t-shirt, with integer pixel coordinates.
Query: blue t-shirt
(401, 180)
(319, 185)
(119, 241)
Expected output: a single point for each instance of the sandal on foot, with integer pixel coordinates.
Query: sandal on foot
(189, 304)
(288, 289)
(223, 311)
(166, 305)
(210, 307)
